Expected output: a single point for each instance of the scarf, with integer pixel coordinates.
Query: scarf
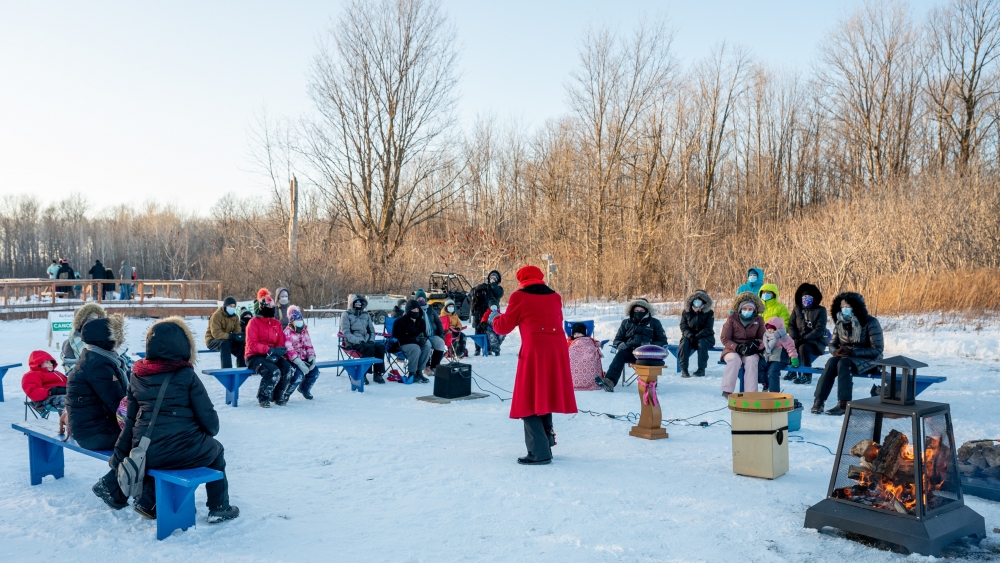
(118, 363)
(848, 333)
(153, 367)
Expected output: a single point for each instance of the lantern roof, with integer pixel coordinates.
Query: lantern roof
(900, 362)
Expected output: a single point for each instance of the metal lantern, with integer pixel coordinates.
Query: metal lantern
(899, 389)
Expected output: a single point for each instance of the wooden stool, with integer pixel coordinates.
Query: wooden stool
(650, 416)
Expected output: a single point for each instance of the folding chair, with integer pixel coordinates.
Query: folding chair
(343, 352)
(394, 360)
(44, 414)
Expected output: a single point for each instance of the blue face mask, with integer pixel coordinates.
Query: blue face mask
(767, 297)
(752, 278)
(697, 303)
(807, 300)
(747, 314)
(231, 311)
(847, 313)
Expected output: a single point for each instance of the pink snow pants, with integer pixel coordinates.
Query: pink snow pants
(730, 377)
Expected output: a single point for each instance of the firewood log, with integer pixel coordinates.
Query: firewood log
(889, 457)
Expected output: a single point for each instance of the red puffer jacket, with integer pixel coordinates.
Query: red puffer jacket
(37, 382)
(264, 334)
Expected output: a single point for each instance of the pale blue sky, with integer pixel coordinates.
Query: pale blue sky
(132, 101)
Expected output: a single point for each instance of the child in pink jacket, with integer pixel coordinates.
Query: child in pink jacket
(777, 347)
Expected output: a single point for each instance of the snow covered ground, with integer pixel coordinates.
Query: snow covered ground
(381, 476)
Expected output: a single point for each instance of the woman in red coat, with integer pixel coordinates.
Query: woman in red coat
(543, 384)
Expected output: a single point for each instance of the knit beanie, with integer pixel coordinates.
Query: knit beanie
(530, 275)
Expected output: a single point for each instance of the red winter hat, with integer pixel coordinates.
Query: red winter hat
(530, 275)
(264, 297)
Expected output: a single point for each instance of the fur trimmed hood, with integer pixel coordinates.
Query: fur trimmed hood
(699, 294)
(810, 289)
(157, 328)
(857, 302)
(83, 312)
(639, 301)
(354, 297)
(748, 296)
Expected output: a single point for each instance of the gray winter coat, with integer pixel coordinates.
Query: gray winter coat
(357, 327)
(870, 344)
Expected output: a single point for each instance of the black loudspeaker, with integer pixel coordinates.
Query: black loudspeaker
(452, 381)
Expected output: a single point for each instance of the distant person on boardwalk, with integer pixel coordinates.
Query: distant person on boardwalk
(53, 270)
(697, 332)
(96, 272)
(543, 384)
(482, 295)
(808, 329)
(184, 430)
(125, 273)
(638, 328)
(755, 280)
(65, 273)
(856, 345)
(225, 335)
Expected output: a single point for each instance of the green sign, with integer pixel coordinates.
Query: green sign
(62, 327)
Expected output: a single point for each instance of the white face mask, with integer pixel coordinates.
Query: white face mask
(283, 300)
(450, 309)
(299, 324)
(493, 307)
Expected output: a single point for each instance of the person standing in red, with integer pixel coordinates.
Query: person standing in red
(543, 384)
(266, 352)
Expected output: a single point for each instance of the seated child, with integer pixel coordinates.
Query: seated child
(494, 339)
(454, 338)
(584, 359)
(44, 386)
(776, 345)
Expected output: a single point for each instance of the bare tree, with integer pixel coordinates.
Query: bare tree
(962, 78)
(384, 87)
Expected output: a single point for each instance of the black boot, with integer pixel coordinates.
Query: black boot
(684, 373)
(222, 514)
(803, 379)
(700, 372)
(606, 384)
(265, 404)
(102, 492)
(790, 376)
(435, 359)
(147, 512)
(838, 410)
(526, 461)
(378, 378)
(817, 407)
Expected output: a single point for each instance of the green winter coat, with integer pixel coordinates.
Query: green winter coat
(774, 308)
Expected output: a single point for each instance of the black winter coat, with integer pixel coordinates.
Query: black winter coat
(183, 435)
(93, 392)
(809, 325)
(696, 326)
(633, 335)
(408, 331)
(97, 271)
(482, 294)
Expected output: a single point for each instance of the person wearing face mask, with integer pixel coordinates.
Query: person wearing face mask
(697, 331)
(808, 329)
(856, 345)
(482, 295)
(358, 332)
(755, 280)
(266, 352)
(454, 339)
(742, 337)
(225, 335)
(297, 338)
(282, 301)
(414, 341)
(772, 306)
(435, 332)
(638, 328)
(779, 351)
(492, 338)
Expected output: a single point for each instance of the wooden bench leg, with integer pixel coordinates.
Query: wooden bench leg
(44, 458)
(174, 508)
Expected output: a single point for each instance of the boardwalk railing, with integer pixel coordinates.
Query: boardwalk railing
(51, 294)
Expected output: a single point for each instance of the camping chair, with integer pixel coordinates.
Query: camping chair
(394, 360)
(44, 414)
(343, 352)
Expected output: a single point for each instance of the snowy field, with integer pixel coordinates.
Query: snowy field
(381, 476)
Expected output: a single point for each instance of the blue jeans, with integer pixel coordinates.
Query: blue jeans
(770, 375)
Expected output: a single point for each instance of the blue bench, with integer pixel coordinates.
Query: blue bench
(482, 341)
(674, 350)
(3, 372)
(174, 487)
(923, 381)
(233, 378)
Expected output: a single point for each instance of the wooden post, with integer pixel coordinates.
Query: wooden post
(651, 415)
(183, 292)
(219, 286)
(142, 294)
(6, 303)
(293, 220)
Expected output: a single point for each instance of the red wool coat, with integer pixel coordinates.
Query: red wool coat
(37, 382)
(543, 383)
(264, 334)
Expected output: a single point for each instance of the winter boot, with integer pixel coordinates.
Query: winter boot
(102, 492)
(605, 384)
(790, 376)
(684, 373)
(526, 461)
(726, 394)
(147, 512)
(265, 404)
(222, 514)
(435, 360)
(307, 395)
(803, 379)
(817, 407)
(699, 373)
(378, 378)
(419, 378)
(838, 410)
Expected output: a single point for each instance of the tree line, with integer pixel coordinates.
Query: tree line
(873, 169)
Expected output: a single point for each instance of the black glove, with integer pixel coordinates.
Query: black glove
(277, 351)
(421, 340)
(57, 391)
